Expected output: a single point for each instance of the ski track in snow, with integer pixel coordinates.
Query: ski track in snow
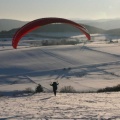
(88, 67)
(31, 65)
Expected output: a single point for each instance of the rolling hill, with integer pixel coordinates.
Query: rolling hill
(54, 28)
(8, 27)
(8, 24)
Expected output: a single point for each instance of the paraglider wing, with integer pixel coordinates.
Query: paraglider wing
(41, 22)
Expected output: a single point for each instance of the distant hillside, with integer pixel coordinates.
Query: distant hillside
(93, 30)
(7, 24)
(9, 27)
(105, 24)
(54, 28)
(114, 32)
(66, 28)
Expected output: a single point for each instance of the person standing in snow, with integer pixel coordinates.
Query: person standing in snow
(54, 85)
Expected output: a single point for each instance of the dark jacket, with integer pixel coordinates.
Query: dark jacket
(54, 84)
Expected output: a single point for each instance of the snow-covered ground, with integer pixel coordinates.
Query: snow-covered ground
(85, 67)
(88, 106)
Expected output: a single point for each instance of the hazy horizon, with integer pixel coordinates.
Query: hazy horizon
(85, 10)
(59, 17)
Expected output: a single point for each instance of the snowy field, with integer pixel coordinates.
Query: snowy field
(76, 106)
(85, 67)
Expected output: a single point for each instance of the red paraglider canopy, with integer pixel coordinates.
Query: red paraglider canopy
(41, 22)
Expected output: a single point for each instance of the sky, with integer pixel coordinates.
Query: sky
(27, 10)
